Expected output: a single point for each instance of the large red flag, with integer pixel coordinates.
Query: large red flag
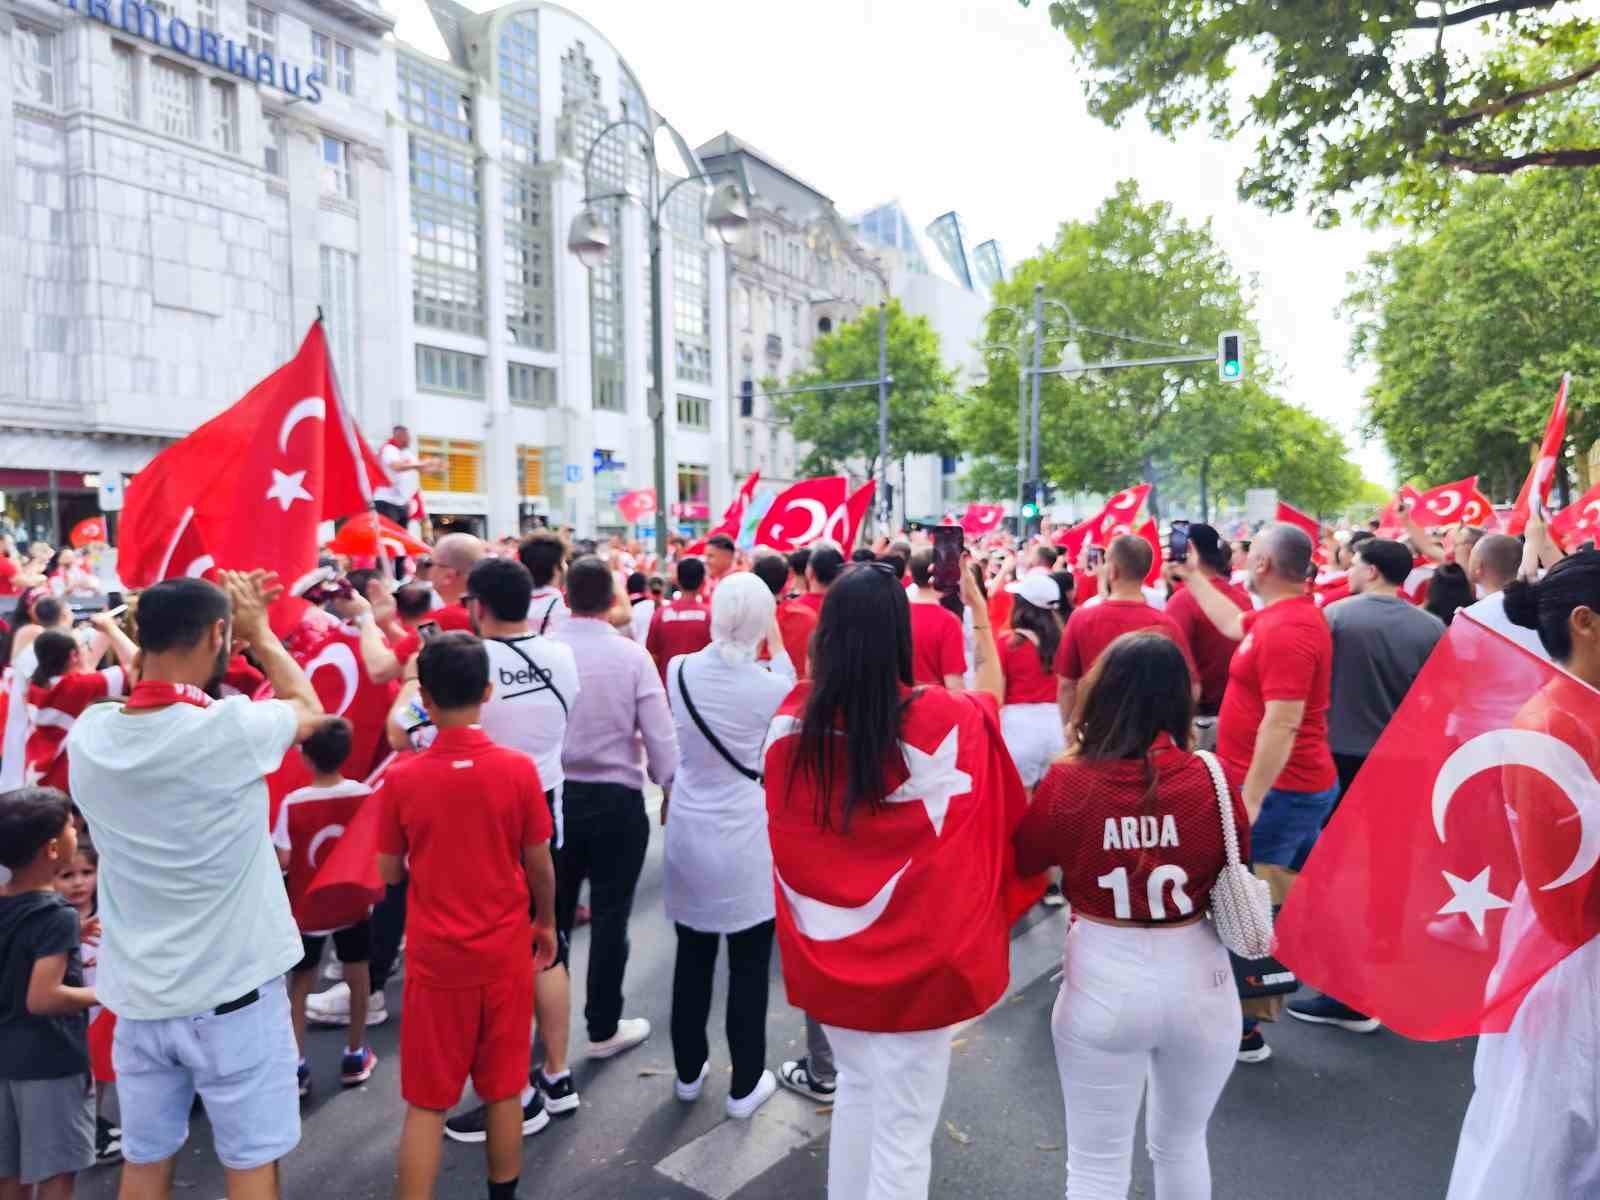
(1447, 504)
(1390, 521)
(1460, 866)
(249, 487)
(855, 912)
(1288, 514)
(980, 519)
(1579, 521)
(1536, 487)
(806, 511)
(1479, 512)
(856, 509)
(1119, 514)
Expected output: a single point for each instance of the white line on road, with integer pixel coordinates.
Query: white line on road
(721, 1161)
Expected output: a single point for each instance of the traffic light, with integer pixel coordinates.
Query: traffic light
(1030, 501)
(1047, 494)
(1230, 357)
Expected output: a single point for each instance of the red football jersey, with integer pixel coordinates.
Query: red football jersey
(938, 644)
(310, 822)
(1093, 627)
(681, 627)
(1124, 855)
(1028, 680)
(1212, 649)
(52, 711)
(796, 622)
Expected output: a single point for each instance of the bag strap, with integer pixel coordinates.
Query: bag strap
(542, 674)
(545, 624)
(705, 731)
(1219, 783)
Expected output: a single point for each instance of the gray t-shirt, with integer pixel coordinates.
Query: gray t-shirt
(1379, 646)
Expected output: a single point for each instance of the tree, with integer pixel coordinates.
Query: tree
(1471, 327)
(1366, 100)
(1138, 267)
(841, 427)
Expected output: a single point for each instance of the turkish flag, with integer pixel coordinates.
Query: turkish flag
(345, 884)
(855, 909)
(636, 505)
(1152, 535)
(1118, 515)
(1071, 540)
(856, 508)
(90, 529)
(980, 519)
(1536, 487)
(365, 533)
(1446, 504)
(1390, 521)
(1479, 512)
(806, 511)
(1579, 521)
(1460, 866)
(1288, 514)
(249, 487)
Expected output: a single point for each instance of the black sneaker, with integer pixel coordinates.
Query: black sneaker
(473, 1126)
(107, 1141)
(1253, 1048)
(1325, 1010)
(797, 1077)
(1052, 896)
(560, 1096)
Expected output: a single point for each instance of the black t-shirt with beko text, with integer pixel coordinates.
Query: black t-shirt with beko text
(37, 925)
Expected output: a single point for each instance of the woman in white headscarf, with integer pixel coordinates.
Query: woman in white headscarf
(718, 876)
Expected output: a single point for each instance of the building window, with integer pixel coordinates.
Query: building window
(433, 100)
(772, 313)
(174, 91)
(224, 116)
(519, 138)
(530, 386)
(519, 59)
(124, 93)
(338, 297)
(691, 311)
(335, 167)
(694, 412)
(344, 69)
(540, 472)
(262, 24)
(272, 147)
(205, 14)
(527, 257)
(694, 484)
(460, 465)
(451, 372)
(33, 57)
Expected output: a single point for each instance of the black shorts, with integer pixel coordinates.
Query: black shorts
(352, 944)
(563, 929)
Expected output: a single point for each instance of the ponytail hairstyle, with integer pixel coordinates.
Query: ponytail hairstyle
(1548, 605)
(1043, 623)
(54, 650)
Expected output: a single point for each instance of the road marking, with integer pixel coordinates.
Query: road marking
(721, 1161)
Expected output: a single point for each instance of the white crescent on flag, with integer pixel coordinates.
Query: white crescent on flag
(313, 407)
(340, 657)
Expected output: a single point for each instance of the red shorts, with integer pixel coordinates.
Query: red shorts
(447, 1034)
(100, 1031)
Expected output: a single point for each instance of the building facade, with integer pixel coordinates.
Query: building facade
(182, 185)
(798, 272)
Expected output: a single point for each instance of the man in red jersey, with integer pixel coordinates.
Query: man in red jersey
(1122, 609)
(683, 626)
(796, 621)
(938, 645)
(1212, 650)
(1272, 734)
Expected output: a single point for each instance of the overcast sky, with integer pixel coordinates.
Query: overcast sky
(975, 105)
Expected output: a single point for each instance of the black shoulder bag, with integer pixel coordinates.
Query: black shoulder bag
(711, 738)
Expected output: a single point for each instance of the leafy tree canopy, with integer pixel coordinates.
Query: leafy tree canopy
(1370, 101)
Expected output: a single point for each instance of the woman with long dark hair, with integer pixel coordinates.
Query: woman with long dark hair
(1449, 590)
(1133, 820)
(1031, 718)
(1529, 1130)
(889, 810)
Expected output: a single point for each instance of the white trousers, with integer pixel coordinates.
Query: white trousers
(1138, 1007)
(1034, 736)
(890, 1089)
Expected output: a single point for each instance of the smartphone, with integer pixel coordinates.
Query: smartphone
(1178, 541)
(948, 541)
(1097, 555)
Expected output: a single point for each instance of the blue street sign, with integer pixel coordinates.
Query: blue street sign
(574, 473)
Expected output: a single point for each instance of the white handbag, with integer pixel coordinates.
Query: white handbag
(1241, 904)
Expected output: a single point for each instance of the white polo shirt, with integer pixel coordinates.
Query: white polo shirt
(193, 904)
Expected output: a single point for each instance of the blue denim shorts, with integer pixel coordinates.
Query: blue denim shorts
(1288, 825)
(243, 1065)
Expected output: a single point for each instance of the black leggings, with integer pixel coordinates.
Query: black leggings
(749, 953)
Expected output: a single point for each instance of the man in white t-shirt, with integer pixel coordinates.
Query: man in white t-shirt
(545, 555)
(198, 932)
(1495, 562)
(404, 469)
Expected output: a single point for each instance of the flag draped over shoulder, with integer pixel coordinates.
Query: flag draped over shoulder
(1461, 865)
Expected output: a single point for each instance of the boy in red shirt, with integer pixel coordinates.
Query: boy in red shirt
(469, 822)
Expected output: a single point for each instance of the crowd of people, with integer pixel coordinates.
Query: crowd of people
(1032, 729)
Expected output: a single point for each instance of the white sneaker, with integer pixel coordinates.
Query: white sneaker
(745, 1107)
(334, 969)
(630, 1032)
(690, 1092)
(332, 1007)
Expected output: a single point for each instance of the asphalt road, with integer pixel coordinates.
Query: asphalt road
(1332, 1115)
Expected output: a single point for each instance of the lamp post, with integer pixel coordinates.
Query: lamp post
(1028, 431)
(590, 240)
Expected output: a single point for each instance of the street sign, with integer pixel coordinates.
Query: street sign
(574, 473)
(110, 491)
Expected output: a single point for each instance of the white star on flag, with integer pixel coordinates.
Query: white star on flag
(286, 489)
(1472, 898)
(934, 779)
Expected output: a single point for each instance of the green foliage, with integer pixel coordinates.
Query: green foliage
(1472, 326)
(842, 427)
(1137, 267)
(1371, 100)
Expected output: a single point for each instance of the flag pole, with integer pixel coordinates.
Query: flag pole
(386, 569)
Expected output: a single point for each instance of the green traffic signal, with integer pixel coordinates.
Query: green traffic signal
(1230, 357)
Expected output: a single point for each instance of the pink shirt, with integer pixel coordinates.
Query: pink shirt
(620, 719)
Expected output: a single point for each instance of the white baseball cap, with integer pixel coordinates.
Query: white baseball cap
(1038, 590)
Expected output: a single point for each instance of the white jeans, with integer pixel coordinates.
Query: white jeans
(890, 1090)
(1138, 1005)
(1034, 736)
